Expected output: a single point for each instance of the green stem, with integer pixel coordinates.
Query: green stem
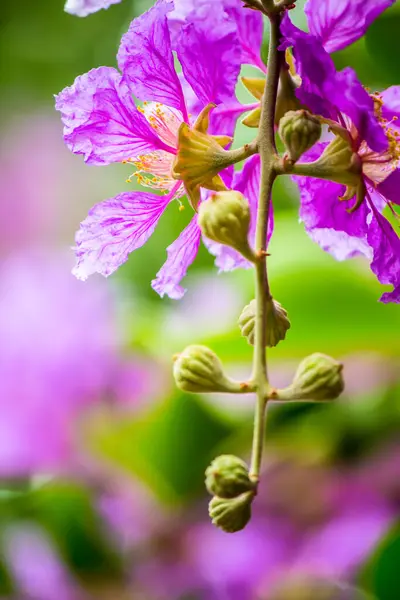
(267, 150)
(239, 154)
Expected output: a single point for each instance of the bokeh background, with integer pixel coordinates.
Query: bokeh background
(101, 459)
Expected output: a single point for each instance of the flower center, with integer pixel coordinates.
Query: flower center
(164, 120)
(377, 166)
(154, 169)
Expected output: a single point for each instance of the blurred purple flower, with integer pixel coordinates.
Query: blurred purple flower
(36, 569)
(59, 355)
(83, 8)
(102, 123)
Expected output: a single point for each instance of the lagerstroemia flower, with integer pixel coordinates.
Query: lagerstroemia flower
(365, 136)
(102, 123)
(343, 214)
(83, 8)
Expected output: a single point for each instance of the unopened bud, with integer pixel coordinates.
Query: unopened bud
(225, 218)
(318, 377)
(299, 131)
(198, 369)
(228, 477)
(277, 322)
(231, 514)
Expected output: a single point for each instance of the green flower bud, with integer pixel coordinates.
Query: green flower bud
(318, 377)
(228, 477)
(225, 218)
(198, 369)
(299, 131)
(276, 320)
(231, 514)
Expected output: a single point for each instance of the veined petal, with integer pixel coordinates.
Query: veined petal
(339, 23)
(313, 64)
(247, 182)
(320, 207)
(339, 244)
(390, 188)
(100, 120)
(83, 8)
(113, 229)
(385, 244)
(347, 94)
(209, 52)
(248, 23)
(250, 29)
(181, 254)
(146, 60)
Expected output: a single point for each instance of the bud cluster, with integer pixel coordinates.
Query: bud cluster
(227, 478)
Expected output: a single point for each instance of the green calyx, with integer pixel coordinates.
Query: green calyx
(277, 322)
(225, 218)
(299, 131)
(337, 163)
(231, 514)
(228, 477)
(318, 377)
(198, 370)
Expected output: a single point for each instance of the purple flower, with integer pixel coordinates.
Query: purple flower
(372, 142)
(330, 93)
(83, 8)
(102, 123)
(339, 23)
(345, 226)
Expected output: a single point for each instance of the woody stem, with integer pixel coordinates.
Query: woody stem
(267, 150)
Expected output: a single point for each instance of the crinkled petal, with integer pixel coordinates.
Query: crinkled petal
(339, 244)
(146, 60)
(320, 206)
(390, 188)
(222, 119)
(247, 182)
(100, 120)
(325, 217)
(326, 91)
(386, 255)
(313, 64)
(248, 23)
(209, 52)
(250, 28)
(348, 95)
(113, 229)
(391, 103)
(83, 8)
(181, 254)
(339, 23)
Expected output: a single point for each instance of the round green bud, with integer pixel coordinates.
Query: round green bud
(277, 322)
(299, 131)
(225, 218)
(318, 377)
(198, 369)
(228, 477)
(231, 514)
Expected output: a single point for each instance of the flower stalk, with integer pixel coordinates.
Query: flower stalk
(268, 156)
